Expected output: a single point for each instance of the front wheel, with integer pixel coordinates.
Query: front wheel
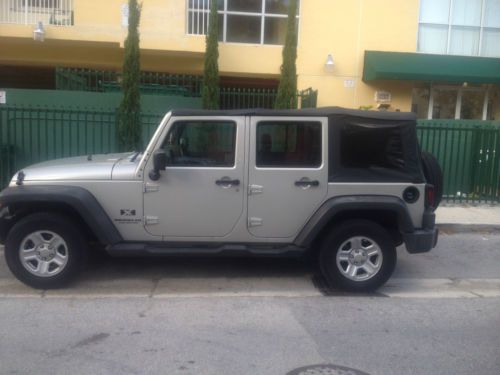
(357, 256)
(45, 250)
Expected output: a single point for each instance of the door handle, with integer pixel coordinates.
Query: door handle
(307, 183)
(227, 183)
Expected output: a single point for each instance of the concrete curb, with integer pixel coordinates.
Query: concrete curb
(454, 228)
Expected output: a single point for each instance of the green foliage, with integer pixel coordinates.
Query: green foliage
(287, 90)
(365, 107)
(211, 89)
(129, 112)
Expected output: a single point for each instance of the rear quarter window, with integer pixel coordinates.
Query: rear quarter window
(371, 147)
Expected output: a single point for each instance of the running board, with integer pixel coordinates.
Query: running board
(197, 249)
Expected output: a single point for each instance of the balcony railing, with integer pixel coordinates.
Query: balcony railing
(30, 12)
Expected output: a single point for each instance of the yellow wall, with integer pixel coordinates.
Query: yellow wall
(344, 28)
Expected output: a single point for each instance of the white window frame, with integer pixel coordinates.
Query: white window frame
(458, 106)
(225, 12)
(481, 27)
(28, 12)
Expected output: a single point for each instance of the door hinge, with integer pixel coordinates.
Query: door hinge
(151, 220)
(149, 188)
(255, 189)
(254, 221)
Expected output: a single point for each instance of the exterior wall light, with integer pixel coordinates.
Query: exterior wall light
(39, 33)
(329, 63)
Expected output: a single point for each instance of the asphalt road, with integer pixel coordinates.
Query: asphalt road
(439, 314)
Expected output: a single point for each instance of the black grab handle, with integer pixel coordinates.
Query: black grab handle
(307, 183)
(227, 182)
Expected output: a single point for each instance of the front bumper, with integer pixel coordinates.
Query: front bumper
(5, 225)
(4, 229)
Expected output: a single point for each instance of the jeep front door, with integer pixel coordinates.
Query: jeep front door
(288, 174)
(200, 193)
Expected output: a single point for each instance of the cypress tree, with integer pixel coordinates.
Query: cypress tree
(211, 90)
(129, 112)
(287, 90)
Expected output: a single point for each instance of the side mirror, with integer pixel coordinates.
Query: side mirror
(159, 164)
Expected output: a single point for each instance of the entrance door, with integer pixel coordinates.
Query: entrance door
(200, 194)
(288, 174)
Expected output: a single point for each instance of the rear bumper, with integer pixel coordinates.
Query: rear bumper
(423, 240)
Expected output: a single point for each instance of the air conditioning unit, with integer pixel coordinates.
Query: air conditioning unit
(382, 97)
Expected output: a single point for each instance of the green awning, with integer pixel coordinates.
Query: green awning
(426, 67)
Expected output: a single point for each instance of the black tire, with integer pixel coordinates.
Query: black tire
(433, 175)
(341, 234)
(75, 249)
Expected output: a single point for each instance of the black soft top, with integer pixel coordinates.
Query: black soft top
(383, 144)
(318, 112)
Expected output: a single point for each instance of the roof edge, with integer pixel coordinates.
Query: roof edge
(308, 112)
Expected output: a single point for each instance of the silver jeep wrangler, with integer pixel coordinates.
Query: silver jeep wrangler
(347, 186)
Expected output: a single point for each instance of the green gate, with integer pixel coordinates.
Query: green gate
(469, 154)
(32, 135)
(468, 151)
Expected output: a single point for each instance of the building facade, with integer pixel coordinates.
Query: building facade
(439, 58)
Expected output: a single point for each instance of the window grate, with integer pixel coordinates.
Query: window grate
(30, 12)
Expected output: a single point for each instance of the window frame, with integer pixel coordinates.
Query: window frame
(485, 90)
(450, 25)
(190, 12)
(215, 121)
(271, 121)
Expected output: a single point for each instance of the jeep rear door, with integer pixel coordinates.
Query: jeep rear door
(288, 173)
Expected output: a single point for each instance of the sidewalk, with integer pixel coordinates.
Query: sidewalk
(468, 217)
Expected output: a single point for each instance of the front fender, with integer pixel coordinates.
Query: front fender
(79, 199)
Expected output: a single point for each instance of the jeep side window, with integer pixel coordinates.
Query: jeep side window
(201, 143)
(291, 144)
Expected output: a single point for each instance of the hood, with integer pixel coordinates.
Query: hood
(92, 167)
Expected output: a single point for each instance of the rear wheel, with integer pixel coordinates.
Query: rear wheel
(357, 256)
(45, 250)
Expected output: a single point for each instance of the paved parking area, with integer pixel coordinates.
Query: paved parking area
(462, 266)
(437, 315)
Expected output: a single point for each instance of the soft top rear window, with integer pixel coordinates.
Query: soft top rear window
(365, 146)
(363, 149)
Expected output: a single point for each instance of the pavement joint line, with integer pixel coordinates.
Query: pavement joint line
(154, 287)
(395, 288)
(476, 294)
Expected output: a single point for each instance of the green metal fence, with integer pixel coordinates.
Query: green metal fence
(154, 83)
(244, 98)
(308, 98)
(468, 151)
(469, 154)
(81, 79)
(32, 135)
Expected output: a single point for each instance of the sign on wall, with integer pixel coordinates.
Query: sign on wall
(3, 97)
